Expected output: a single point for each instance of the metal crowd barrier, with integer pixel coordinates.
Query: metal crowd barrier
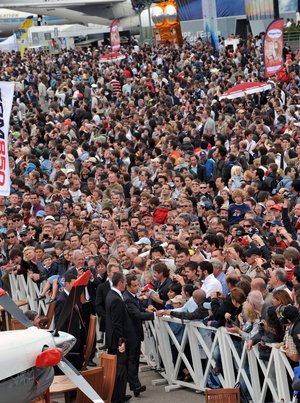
(150, 346)
(26, 289)
(238, 365)
(164, 351)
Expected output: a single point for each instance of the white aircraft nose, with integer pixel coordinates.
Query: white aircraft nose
(65, 341)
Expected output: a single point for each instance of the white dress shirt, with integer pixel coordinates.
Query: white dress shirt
(211, 284)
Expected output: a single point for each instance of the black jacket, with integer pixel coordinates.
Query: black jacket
(219, 308)
(118, 323)
(199, 314)
(294, 333)
(91, 286)
(137, 314)
(73, 324)
(219, 169)
(101, 294)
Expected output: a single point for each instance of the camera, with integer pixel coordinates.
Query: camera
(229, 323)
(239, 232)
(253, 231)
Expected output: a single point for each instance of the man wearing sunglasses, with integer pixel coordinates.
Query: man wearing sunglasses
(18, 222)
(11, 240)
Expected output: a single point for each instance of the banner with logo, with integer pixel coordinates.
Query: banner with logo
(6, 99)
(209, 11)
(273, 45)
(115, 41)
(22, 35)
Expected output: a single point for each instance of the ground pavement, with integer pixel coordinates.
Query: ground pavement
(157, 394)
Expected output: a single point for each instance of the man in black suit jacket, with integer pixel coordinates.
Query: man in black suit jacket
(119, 334)
(137, 316)
(89, 294)
(102, 291)
(74, 324)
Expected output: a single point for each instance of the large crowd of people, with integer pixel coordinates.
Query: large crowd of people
(138, 171)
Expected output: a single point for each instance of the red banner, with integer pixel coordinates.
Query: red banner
(273, 45)
(115, 36)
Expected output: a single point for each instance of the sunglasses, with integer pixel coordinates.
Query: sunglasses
(247, 226)
(10, 237)
(16, 220)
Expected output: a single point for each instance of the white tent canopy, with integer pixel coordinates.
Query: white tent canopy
(9, 44)
(69, 30)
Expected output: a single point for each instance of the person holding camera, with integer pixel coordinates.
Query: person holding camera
(253, 257)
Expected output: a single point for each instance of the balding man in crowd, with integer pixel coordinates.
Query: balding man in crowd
(200, 313)
(278, 279)
(259, 284)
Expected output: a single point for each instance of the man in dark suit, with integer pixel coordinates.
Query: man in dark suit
(101, 294)
(88, 296)
(137, 316)
(74, 324)
(119, 334)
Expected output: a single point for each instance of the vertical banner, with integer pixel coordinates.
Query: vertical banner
(273, 46)
(209, 11)
(6, 98)
(115, 41)
(22, 34)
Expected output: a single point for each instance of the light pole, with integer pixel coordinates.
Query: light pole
(139, 6)
(139, 9)
(276, 9)
(150, 24)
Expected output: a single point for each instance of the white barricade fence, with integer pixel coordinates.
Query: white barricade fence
(173, 344)
(149, 346)
(200, 349)
(26, 289)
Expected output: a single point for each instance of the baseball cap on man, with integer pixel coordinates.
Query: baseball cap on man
(178, 299)
(143, 241)
(253, 250)
(277, 222)
(289, 313)
(50, 218)
(93, 160)
(40, 213)
(276, 207)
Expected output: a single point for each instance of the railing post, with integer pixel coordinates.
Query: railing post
(226, 357)
(281, 376)
(164, 348)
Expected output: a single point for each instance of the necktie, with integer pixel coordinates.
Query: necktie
(82, 297)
